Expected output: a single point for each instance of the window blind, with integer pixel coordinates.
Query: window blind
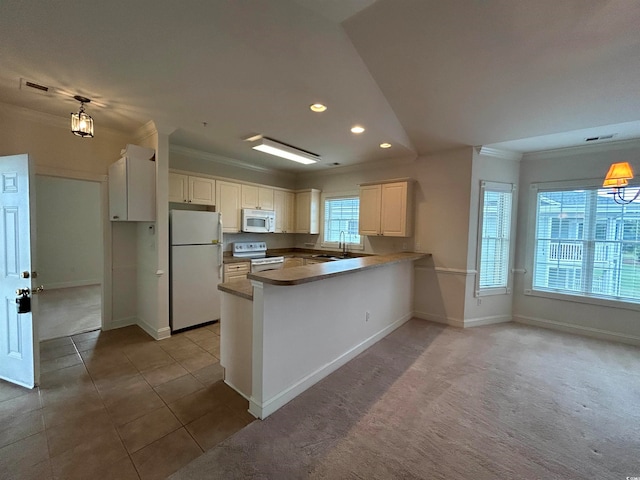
(341, 215)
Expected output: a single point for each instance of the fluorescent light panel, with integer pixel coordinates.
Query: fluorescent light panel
(272, 147)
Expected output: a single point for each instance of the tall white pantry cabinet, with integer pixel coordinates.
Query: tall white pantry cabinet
(132, 190)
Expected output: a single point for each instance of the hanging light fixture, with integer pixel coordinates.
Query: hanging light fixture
(81, 123)
(618, 178)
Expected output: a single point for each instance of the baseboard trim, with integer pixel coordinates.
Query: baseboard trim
(480, 321)
(434, 317)
(122, 322)
(578, 329)
(269, 406)
(158, 334)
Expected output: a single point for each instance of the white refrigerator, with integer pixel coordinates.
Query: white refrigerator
(196, 267)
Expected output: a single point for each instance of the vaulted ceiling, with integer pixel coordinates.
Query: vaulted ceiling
(423, 75)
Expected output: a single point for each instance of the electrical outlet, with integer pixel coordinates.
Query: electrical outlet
(404, 246)
(366, 316)
(418, 246)
(479, 302)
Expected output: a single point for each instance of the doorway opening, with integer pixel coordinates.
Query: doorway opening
(70, 253)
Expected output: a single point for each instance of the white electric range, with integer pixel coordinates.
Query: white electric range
(256, 252)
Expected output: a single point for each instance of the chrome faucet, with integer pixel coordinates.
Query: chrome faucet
(342, 243)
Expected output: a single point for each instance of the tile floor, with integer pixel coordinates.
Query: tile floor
(119, 405)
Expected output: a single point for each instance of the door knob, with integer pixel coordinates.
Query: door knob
(23, 291)
(38, 289)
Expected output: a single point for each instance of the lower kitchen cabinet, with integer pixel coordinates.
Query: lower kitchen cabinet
(236, 271)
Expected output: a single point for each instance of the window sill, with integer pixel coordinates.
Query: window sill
(350, 246)
(602, 302)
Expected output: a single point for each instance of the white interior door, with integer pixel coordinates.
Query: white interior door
(19, 351)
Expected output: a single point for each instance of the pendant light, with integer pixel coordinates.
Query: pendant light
(81, 123)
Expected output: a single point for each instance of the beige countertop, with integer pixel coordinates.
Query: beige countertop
(321, 271)
(240, 288)
(291, 252)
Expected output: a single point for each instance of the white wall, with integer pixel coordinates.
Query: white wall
(596, 320)
(190, 160)
(53, 148)
(69, 232)
(299, 337)
(441, 224)
(494, 308)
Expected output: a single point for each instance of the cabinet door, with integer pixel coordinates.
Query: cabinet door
(284, 206)
(369, 222)
(178, 187)
(265, 198)
(393, 215)
(228, 204)
(307, 213)
(118, 190)
(280, 208)
(250, 196)
(132, 190)
(289, 212)
(202, 191)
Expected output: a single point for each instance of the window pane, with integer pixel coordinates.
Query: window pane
(341, 215)
(586, 244)
(495, 239)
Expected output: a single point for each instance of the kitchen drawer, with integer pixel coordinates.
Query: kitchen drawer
(236, 271)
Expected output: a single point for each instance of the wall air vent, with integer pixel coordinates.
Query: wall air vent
(34, 87)
(601, 137)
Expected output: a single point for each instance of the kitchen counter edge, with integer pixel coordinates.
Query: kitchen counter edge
(322, 271)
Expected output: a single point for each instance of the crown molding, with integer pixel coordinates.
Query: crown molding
(498, 153)
(220, 159)
(48, 119)
(582, 149)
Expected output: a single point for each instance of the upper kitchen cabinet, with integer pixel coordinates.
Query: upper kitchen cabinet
(284, 206)
(228, 204)
(190, 189)
(257, 197)
(386, 209)
(308, 211)
(132, 190)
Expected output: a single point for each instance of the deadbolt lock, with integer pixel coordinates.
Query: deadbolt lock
(25, 275)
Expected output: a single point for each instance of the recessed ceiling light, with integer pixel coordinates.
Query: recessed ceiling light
(357, 129)
(385, 145)
(317, 107)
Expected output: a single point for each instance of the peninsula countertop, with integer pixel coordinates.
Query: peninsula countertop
(324, 270)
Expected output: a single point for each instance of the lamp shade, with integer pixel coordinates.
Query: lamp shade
(618, 175)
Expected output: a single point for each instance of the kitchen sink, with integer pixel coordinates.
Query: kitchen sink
(326, 256)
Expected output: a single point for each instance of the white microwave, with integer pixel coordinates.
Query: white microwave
(258, 221)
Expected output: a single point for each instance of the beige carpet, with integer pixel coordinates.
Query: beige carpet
(63, 312)
(432, 402)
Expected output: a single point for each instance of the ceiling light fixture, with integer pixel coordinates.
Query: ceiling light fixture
(317, 107)
(618, 178)
(81, 123)
(385, 145)
(272, 147)
(357, 129)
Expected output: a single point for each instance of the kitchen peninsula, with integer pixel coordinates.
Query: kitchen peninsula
(284, 330)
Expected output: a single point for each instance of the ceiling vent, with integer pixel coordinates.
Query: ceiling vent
(34, 87)
(601, 137)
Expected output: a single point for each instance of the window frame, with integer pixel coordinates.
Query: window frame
(337, 196)
(501, 187)
(531, 241)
